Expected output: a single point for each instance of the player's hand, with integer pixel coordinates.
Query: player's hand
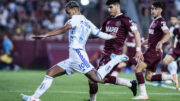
(139, 56)
(39, 37)
(159, 46)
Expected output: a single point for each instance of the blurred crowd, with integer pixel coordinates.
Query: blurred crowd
(22, 18)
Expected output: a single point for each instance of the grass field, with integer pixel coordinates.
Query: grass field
(72, 88)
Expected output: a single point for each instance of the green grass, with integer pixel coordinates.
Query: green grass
(72, 88)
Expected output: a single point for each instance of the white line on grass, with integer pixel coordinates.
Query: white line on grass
(79, 92)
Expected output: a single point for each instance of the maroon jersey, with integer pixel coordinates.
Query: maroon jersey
(120, 25)
(156, 32)
(176, 33)
(131, 45)
(175, 53)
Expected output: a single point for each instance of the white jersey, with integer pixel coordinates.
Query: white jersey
(81, 29)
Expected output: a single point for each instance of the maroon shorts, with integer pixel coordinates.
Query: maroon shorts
(131, 61)
(152, 59)
(104, 60)
(175, 53)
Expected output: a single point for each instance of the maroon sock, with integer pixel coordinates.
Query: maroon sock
(157, 77)
(140, 78)
(111, 80)
(164, 68)
(93, 88)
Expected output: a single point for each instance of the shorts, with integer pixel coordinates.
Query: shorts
(78, 61)
(175, 53)
(152, 59)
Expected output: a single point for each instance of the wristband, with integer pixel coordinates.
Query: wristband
(138, 48)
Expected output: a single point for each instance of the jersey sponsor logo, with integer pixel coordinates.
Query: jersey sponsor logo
(84, 63)
(112, 29)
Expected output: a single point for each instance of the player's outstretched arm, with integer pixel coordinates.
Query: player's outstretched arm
(97, 32)
(61, 30)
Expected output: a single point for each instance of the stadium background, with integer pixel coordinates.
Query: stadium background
(20, 19)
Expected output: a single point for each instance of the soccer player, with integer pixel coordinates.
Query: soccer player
(174, 54)
(158, 35)
(79, 30)
(120, 25)
(172, 66)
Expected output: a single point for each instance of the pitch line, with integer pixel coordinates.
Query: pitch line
(79, 92)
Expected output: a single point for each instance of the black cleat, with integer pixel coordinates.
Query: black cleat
(134, 87)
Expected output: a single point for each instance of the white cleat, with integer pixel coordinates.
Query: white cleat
(141, 97)
(29, 98)
(176, 81)
(120, 58)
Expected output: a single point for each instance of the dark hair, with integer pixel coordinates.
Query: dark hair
(109, 2)
(72, 4)
(158, 4)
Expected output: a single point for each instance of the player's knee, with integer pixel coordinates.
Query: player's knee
(148, 76)
(165, 62)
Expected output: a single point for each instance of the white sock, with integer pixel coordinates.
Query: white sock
(142, 89)
(172, 67)
(104, 70)
(92, 97)
(43, 87)
(166, 77)
(124, 82)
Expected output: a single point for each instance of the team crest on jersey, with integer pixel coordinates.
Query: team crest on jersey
(108, 22)
(118, 23)
(153, 25)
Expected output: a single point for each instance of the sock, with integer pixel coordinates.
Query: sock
(43, 87)
(172, 67)
(140, 78)
(142, 90)
(92, 97)
(124, 82)
(111, 80)
(93, 89)
(166, 77)
(104, 70)
(157, 77)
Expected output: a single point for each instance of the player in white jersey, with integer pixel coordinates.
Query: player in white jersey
(79, 30)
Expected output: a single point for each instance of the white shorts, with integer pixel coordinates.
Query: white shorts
(78, 61)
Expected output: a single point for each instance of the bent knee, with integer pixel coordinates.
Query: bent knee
(165, 62)
(149, 76)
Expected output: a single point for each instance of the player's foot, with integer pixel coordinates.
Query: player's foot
(134, 87)
(141, 97)
(29, 98)
(120, 58)
(176, 81)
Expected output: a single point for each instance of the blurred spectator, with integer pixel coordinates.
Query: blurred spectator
(6, 58)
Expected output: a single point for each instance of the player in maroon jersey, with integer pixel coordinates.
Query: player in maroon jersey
(158, 35)
(119, 24)
(175, 53)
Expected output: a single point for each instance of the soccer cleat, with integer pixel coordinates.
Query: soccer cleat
(29, 98)
(176, 81)
(141, 97)
(134, 87)
(120, 58)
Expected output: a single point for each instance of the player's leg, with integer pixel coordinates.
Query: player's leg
(140, 78)
(46, 83)
(169, 58)
(93, 89)
(118, 69)
(172, 67)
